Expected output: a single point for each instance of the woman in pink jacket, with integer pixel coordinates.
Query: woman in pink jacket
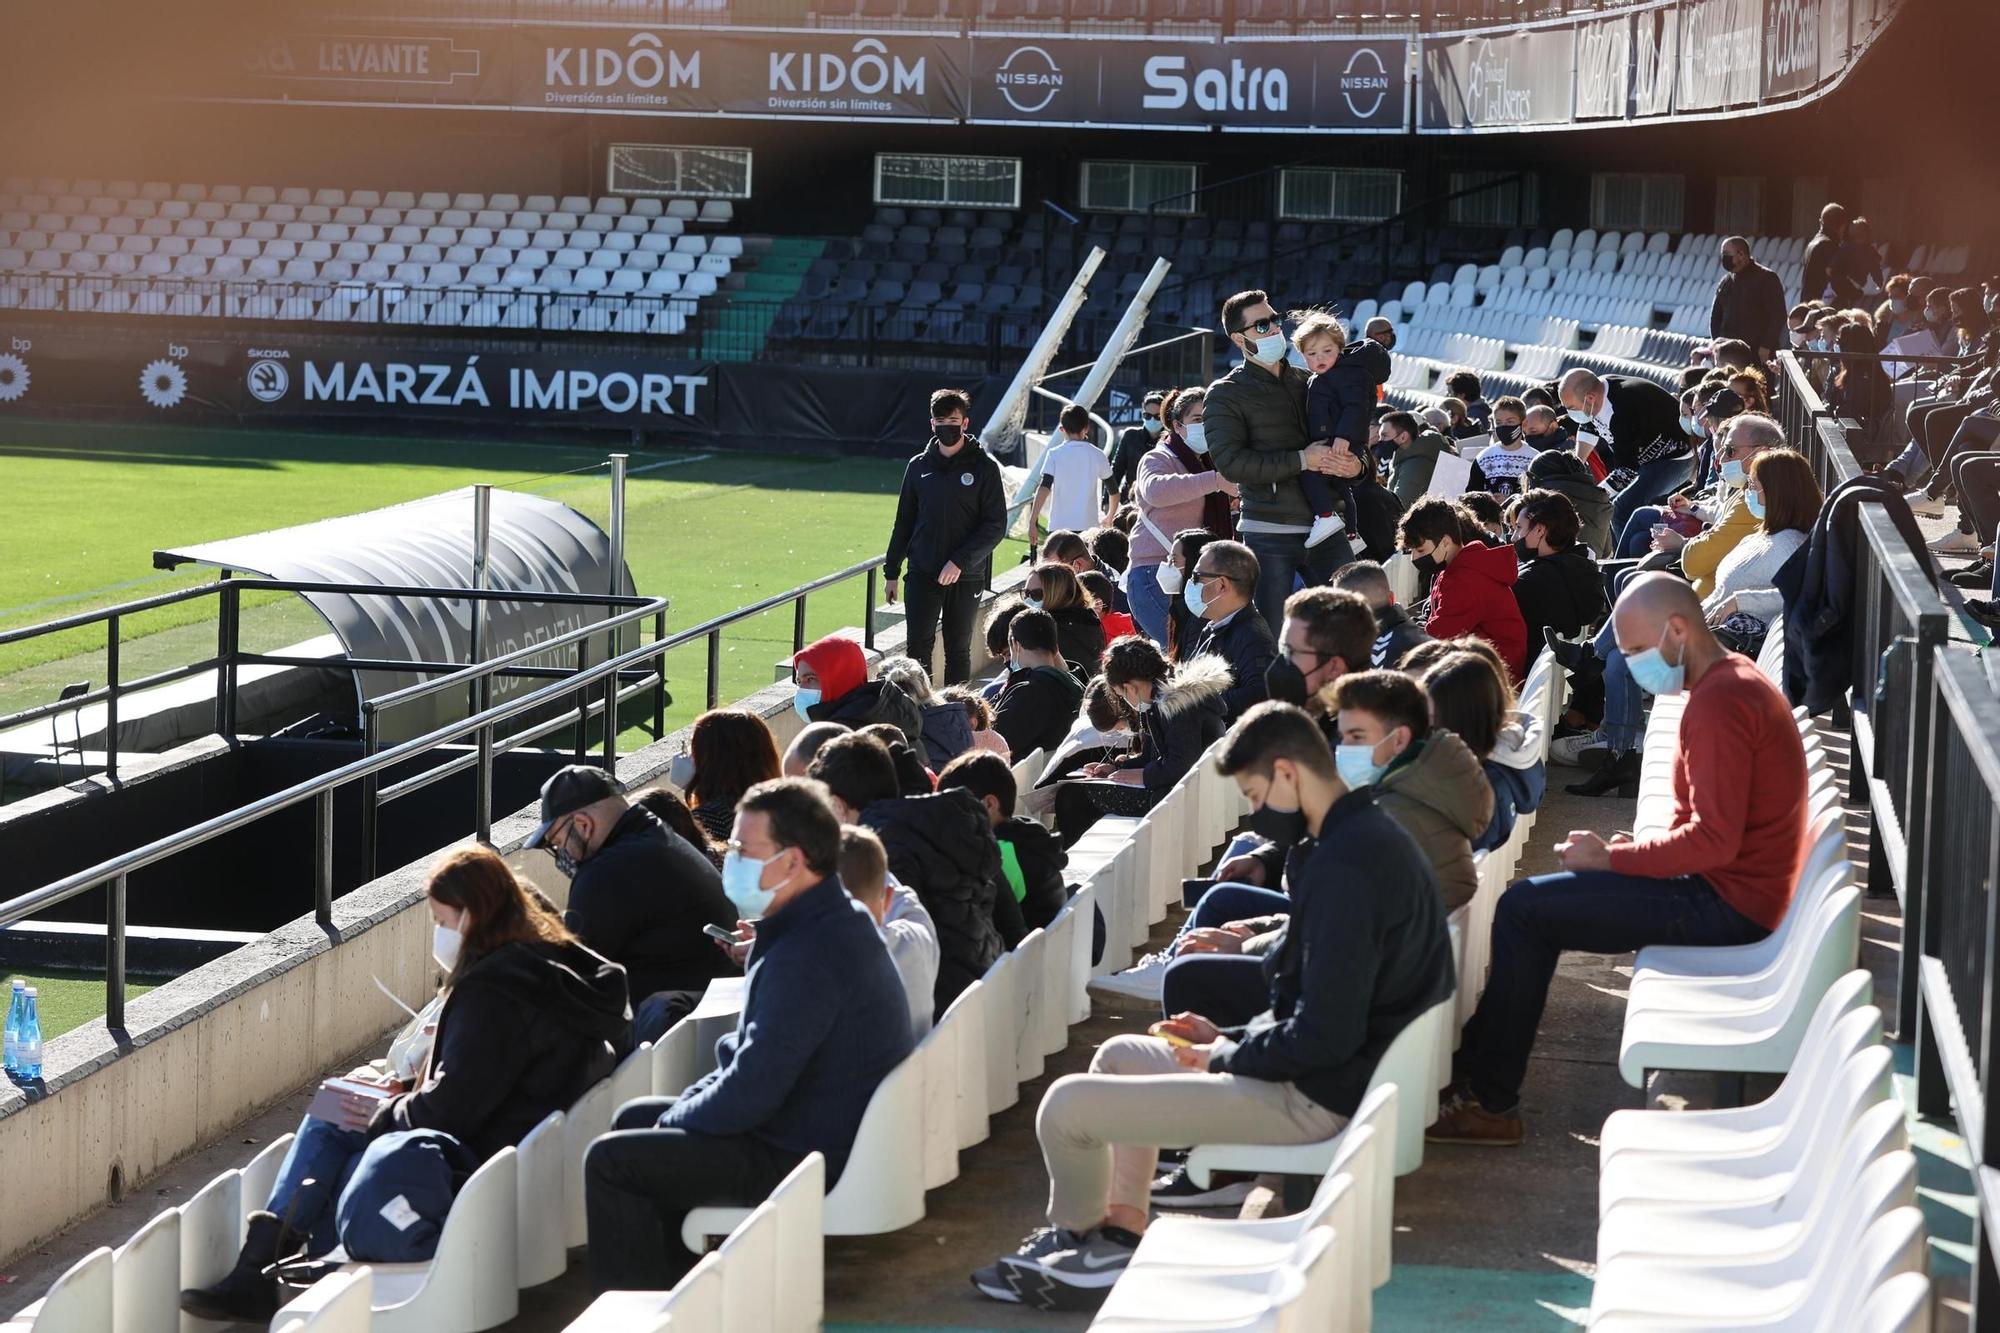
(1178, 488)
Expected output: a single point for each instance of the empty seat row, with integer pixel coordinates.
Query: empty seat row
(179, 200)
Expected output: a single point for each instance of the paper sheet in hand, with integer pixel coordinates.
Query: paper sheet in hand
(1450, 476)
(1472, 448)
(723, 998)
(327, 1102)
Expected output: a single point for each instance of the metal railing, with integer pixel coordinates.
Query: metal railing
(592, 690)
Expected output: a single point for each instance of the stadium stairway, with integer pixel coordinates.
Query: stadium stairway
(737, 327)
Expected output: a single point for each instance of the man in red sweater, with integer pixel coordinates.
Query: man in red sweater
(1722, 873)
(1472, 584)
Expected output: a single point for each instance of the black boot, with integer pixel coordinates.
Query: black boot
(1620, 774)
(246, 1294)
(1972, 576)
(1579, 659)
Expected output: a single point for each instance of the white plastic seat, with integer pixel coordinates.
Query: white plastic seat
(469, 1283)
(341, 1303)
(1298, 1296)
(1900, 1305)
(965, 1023)
(145, 1277)
(541, 1235)
(1026, 1015)
(80, 1301)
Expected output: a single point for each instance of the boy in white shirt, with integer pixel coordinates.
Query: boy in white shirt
(1073, 472)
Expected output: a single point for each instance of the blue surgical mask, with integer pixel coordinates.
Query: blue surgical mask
(1899, 307)
(741, 882)
(1754, 503)
(1652, 673)
(1193, 598)
(1578, 415)
(1032, 600)
(1689, 426)
(1356, 765)
(1196, 435)
(1731, 472)
(1271, 348)
(1013, 661)
(802, 699)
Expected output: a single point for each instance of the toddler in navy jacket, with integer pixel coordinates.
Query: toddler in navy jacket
(1339, 403)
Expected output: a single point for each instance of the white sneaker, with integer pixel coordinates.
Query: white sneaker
(1323, 527)
(1924, 503)
(1144, 980)
(1956, 543)
(1578, 751)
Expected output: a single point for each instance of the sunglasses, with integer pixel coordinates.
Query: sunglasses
(1270, 325)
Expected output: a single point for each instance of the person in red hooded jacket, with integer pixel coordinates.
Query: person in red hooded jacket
(831, 680)
(1472, 584)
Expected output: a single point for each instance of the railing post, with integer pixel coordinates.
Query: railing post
(323, 858)
(868, 612)
(660, 678)
(482, 688)
(714, 664)
(225, 639)
(114, 955)
(798, 624)
(371, 810)
(111, 699)
(610, 742)
(582, 701)
(618, 466)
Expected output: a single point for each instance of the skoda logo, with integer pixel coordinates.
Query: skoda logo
(1029, 79)
(1364, 84)
(267, 380)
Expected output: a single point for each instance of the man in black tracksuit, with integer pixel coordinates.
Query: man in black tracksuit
(1134, 443)
(951, 514)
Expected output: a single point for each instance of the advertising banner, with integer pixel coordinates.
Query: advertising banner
(1472, 81)
(1164, 83)
(1792, 35)
(1721, 54)
(470, 67)
(1655, 61)
(1603, 68)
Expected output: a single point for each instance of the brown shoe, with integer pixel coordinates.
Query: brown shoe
(1466, 1121)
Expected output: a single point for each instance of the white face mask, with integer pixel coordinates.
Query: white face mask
(446, 942)
(1196, 435)
(1170, 580)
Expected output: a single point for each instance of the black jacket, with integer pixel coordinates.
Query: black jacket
(641, 901)
(1339, 402)
(1080, 639)
(1245, 643)
(1364, 954)
(1037, 709)
(1563, 591)
(1750, 304)
(1134, 443)
(525, 1031)
(1821, 269)
(1556, 470)
(870, 702)
(947, 732)
(1041, 859)
(951, 510)
(1641, 412)
(1819, 621)
(1186, 718)
(1256, 430)
(1395, 635)
(942, 847)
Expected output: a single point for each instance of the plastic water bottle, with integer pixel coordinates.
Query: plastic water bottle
(16, 1002)
(28, 1044)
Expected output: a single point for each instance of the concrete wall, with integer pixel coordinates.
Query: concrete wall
(215, 1046)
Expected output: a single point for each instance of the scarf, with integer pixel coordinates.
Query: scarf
(1216, 515)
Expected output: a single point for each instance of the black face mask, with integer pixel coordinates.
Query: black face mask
(1728, 264)
(948, 434)
(1285, 682)
(1523, 551)
(1506, 434)
(1426, 565)
(1283, 827)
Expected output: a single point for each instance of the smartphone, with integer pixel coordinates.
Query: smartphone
(1167, 1035)
(719, 934)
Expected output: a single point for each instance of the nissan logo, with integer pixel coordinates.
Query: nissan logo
(1029, 79)
(1365, 74)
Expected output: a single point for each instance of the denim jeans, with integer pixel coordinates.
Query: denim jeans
(355, 1183)
(1592, 911)
(325, 1154)
(1656, 480)
(1227, 988)
(1149, 604)
(1636, 537)
(1283, 560)
(1624, 724)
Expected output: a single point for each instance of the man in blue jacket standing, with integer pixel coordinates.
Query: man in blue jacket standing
(824, 1021)
(1364, 955)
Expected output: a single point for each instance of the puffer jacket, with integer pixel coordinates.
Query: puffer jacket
(1188, 715)
(1519, 778)
(1410, 473)
(947, 732)
(1256, 428)
(1041, 860)
(874, 701)
(942, 846)
(1439, 795)
(1561, 471)
(1474, 594)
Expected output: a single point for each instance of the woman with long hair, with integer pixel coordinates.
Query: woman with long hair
(1053, 587)
(530, 1020)
(1178, 488)
(733, 751)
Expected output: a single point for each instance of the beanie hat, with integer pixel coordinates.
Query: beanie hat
(842, 667)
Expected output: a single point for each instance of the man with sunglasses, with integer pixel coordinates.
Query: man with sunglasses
(1134, 443)
(1256, 418)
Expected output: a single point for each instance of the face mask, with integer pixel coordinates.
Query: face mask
(1014, 662)
(1732, 472)
(1728, 264)
(1506, 434)
(1142, 707)
(1270, 348)
(1426, 565)
(1651, 672)
(1194, 599)
(1578, 415)
(1273, 821)
(1754, 503)
(1196, 435)
(1032, 600)
(1170, 580)
(445, 944)
(1285, 682)
(1356, 765)
(802, 699)
(1152, 425)
(1798, 339)
(741, 876)
(566, 860)
(1523, 551)
(948, 433)
(1689, 426)
(1898, 306)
